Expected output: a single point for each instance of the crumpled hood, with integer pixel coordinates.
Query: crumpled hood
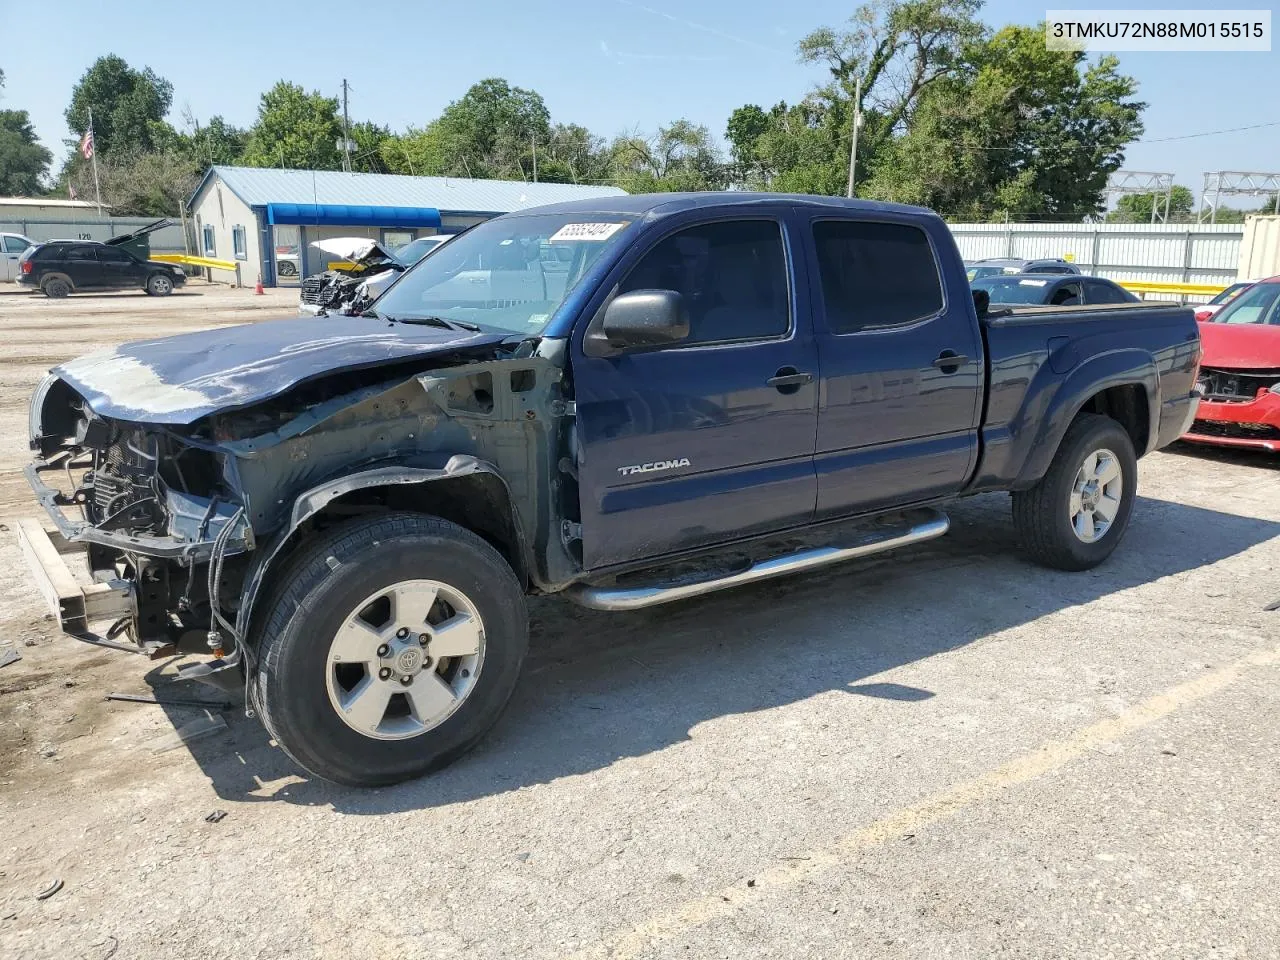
(178, 380)
(1240, 346)
(355, 249)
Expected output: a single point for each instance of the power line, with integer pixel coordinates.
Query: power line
(1213, 133)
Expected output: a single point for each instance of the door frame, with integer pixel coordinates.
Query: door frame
(788, 221)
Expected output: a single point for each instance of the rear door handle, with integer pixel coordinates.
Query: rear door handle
(949, 361)
(789, 377)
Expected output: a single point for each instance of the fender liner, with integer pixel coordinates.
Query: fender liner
(310, 502)
(1120, 368)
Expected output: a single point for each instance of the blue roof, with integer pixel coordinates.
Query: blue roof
(259, 186)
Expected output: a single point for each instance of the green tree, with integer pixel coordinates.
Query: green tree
(491, 131)
(140, 184)
(1136, 207)
(216, 142)
(129, 106)
(24, 162)
(681, 156)
(295, 129)
(369, 138)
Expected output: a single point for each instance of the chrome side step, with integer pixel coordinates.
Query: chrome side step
(931, 525)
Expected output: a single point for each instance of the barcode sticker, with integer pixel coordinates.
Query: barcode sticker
(595, 232)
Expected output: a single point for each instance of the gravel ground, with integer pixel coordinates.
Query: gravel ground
(946, 752)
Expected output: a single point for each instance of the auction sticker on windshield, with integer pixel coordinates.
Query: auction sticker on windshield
(596, 232)
(1032, 283)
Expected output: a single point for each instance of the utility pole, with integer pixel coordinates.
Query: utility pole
(93, 157)
(857, 122)
(346, 136)
(533, 139)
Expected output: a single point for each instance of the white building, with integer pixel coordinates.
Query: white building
(267, 218)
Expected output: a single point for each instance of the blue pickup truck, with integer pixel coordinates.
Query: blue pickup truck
(629, 401)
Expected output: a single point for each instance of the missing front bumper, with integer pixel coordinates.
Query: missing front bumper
(78, 602)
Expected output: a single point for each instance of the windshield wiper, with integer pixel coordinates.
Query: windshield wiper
(428, 321)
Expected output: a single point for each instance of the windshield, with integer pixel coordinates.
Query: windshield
(1013, 289)
(508, 274)
(415, 250)
(1229, 294)
(1258, 304)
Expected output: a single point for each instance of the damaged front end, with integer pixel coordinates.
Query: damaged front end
(169, 509)
(150, 514)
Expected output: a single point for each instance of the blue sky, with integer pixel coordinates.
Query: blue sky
(613, 65)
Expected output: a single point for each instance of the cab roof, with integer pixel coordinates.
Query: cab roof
(656, 205)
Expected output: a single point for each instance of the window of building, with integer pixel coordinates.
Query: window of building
(732, 275)
(875, 275)
(210, 242)
(238, 241)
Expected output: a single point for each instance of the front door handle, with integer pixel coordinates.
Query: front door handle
(789, 379)
(949, 361)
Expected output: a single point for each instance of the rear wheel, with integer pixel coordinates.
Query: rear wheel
(389, 648)
(55, 287)
(159, 285)
(1075, 517)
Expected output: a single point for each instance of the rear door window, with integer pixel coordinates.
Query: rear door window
(80, 252)
(112, 255)
(875, 275)
(15, 244)
(732, 275)
(1098, 292)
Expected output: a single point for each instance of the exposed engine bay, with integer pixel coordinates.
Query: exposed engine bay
(183, 519)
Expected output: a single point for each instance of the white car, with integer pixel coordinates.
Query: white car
(12, 246)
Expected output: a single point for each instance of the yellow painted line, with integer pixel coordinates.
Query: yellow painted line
(1050, 757)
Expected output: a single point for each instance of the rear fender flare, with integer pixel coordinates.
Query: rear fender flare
(312, 501)
(1121, 368)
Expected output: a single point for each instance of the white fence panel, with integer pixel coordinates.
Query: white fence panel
(1155, 253)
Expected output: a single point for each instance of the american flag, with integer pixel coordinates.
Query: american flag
(86, 144)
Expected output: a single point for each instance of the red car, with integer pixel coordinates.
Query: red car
(1240, 372)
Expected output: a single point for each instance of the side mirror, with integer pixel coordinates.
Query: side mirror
(641, 318)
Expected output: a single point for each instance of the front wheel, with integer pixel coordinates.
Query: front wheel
(389, 648)
(1075, 517)
(158, 285)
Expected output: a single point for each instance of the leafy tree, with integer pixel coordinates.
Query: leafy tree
(1136, 207)
(24, 162)
(956, 118)
(140, 184)
(296, 129)
(681, 156)
(129, 106)
(216, 142)
(489, 132)
(369, 138)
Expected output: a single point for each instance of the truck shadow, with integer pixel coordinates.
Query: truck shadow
(599, 687)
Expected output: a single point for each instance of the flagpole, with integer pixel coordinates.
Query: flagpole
(93, 158)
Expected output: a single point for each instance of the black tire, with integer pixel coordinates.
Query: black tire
(322, 585)
(287, 268)
(56, 288)
(1042, 514)
(159, 285)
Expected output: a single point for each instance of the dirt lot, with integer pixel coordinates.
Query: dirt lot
(941, 753)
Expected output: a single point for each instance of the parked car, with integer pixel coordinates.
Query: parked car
(1206, 311)
(1240, 376)
(61, 267)
(350, 289)
(349, 514)
(1001, 266)
(1032, 289)
(12, 246)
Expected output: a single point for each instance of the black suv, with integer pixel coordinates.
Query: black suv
(60, 267)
